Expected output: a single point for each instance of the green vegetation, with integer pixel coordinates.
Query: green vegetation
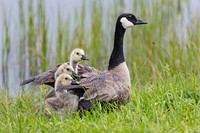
(163, 58)
(172, 104)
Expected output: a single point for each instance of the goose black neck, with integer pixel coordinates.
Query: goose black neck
(117, 56)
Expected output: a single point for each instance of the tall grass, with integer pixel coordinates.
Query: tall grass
(171, 104)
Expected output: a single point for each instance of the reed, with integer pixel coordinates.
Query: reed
(6, 52)
(60, 38)
(42, 25)
(22, 39)
(32, 53)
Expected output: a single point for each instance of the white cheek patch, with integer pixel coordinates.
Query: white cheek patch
(126, 23)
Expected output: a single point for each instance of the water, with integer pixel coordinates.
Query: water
(9, 9)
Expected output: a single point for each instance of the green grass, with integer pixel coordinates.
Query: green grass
(164, 67)
(171, 104)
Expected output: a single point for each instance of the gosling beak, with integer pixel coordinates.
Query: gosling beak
(84, 57)
(75, 75)
(74, 82)
(139, 22)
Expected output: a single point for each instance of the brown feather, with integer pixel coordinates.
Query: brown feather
(47, 77)
(43, 78)
(83, 68)
(104, 86)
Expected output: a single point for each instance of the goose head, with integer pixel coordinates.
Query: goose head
(127, 20)
(124, 21)
(65, 68)
(64, 80)
(78, 55)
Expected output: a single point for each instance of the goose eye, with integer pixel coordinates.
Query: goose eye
(77, 53)
(130, 16)
(67, 69)
(66, 78)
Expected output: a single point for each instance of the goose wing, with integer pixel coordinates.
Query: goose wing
(104, 86)
(43, 78)
(83, 68)
(46, 78)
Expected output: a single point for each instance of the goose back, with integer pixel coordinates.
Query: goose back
(107, 85)
(83, 68)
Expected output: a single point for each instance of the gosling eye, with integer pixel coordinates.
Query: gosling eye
(77, 53)
(67, 69)
(66, 78)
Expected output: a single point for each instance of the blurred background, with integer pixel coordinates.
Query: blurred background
(37, 35)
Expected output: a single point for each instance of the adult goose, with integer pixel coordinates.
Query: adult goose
(112, 84)
(47, 78)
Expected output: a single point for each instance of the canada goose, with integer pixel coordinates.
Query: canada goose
(47, 77)
(76, 56)
(68, 97)
(64, 68)
(114, 83)
(65, 100)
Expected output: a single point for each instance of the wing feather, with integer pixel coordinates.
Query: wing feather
(104, 86)
(83, 68)
(43, 78)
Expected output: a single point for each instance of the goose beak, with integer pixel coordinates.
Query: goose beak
(75, 75)
(139, 22)
(84, 57)
(74, 82)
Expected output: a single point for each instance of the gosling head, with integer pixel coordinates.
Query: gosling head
(65, 68)
(127, 20)
(78, 55)
(65, 80)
